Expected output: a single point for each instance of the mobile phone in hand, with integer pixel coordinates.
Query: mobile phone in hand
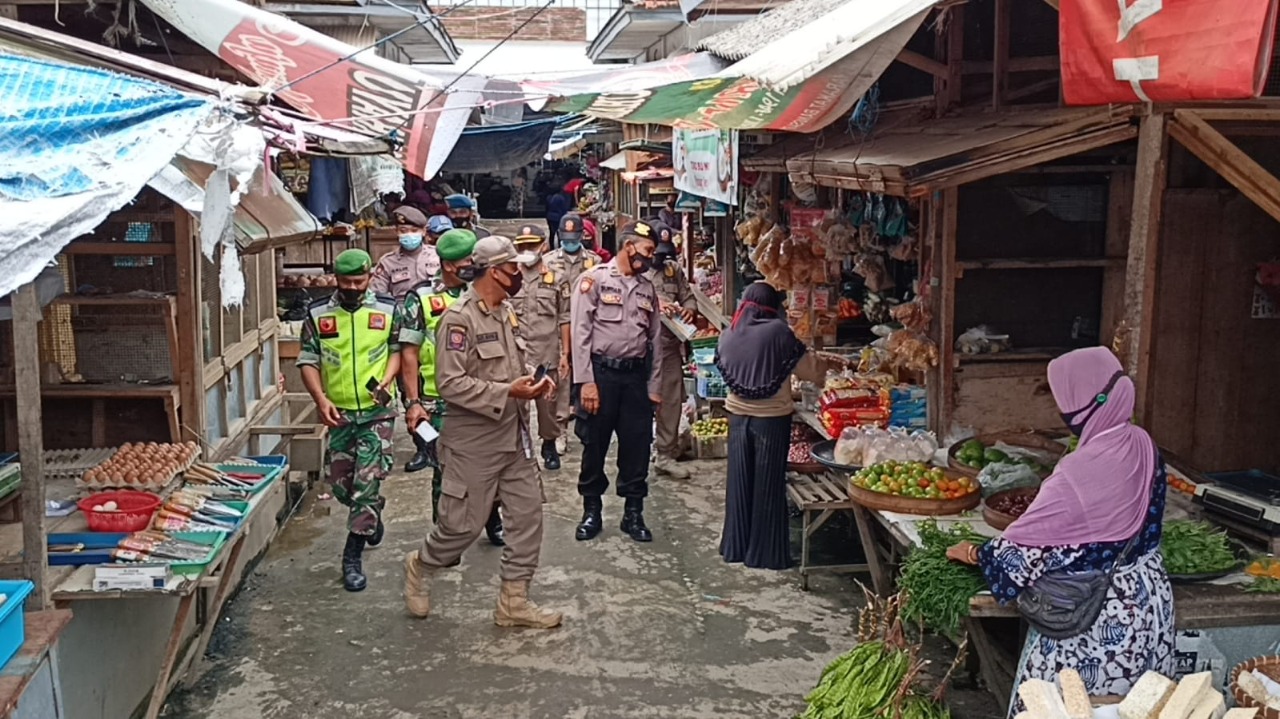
(539, 373)
(381, 396)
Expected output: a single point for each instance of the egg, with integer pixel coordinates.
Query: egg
(110, 506)
(97, 507)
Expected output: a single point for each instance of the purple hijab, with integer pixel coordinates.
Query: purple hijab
(758, 352)
(1100, 492)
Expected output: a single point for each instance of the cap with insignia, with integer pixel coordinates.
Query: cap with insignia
(640, 231)
(459, 202)
(456, 245)
(406, 215)
(570, 227)
(531, 235)
(439, 224)
(497, 250)
(352, 262)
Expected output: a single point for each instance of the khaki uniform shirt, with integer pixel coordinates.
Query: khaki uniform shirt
(478, 356)
(399, 271)
(673, 287)
(571, 265)
(542, 306)
(617, 316)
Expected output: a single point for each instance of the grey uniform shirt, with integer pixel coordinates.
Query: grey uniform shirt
(617, 316)
(399, 271)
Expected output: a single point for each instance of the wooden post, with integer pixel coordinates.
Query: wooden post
(1140, 271)
(1000, 63)
(949, 43)
(189, 361)
(1215, 150)
(26, 373)
(948, 218)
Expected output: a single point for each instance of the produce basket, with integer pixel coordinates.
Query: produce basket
(1001, 520)
(1030, 440)
(132, 514)
(910, 505)
(1269, 666)
(711, 447)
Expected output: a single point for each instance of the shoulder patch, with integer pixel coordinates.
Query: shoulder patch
(377, 321)
(589, 263)
(456, 338)
(586, 284)
(671, 271)
(437, 305)
(549, 278)
(327, 325)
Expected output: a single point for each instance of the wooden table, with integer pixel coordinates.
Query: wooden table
(29, 686)
(819, 497)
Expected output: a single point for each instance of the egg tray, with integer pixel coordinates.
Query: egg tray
(73, 463)
(153, 484)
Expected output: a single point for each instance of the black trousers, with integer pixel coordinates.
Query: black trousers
(625, 409)
(756, 529)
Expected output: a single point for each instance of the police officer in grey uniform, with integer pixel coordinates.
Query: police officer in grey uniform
(614, 328)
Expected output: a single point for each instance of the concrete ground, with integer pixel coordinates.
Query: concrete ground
(651, 630)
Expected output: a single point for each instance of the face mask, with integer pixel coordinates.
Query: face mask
(350, 300)
(640, 263)
(411, 242)
(516, 282)
(572, 247)
(468, 274)
(1077, 420)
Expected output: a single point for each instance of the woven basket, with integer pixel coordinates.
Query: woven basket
(910, 505)
(1267, 665)
(1030, 440)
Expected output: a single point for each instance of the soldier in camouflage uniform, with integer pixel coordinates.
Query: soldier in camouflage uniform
(350, 340)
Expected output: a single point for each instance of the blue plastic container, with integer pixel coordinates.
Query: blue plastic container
(13, 628)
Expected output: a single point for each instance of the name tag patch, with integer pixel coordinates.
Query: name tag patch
(328, 326)
(400, 275)
(377, 321)
(646, 305)
(485, 337)
(611, 298)
(456, 339)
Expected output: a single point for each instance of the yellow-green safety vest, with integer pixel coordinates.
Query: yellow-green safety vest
(433, 306)
(354, 347)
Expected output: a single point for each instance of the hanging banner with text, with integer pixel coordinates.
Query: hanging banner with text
(328, 80)
(1164, 50)
(706, 163)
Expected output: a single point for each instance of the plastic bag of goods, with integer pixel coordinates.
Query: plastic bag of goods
(850, 447)
(1000, 476)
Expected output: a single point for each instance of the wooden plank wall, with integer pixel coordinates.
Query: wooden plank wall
(1214, 382)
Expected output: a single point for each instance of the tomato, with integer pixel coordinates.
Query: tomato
(923, 483)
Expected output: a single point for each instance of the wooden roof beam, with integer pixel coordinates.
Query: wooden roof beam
(1215, 150)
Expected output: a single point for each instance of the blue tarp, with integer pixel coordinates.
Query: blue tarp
(500, 148)
(76, 144)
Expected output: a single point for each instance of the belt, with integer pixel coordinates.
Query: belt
(621, 364)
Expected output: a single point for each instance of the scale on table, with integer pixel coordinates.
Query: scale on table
(1251, 498)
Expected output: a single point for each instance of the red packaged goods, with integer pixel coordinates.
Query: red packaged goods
(853, 398)
(837, 419)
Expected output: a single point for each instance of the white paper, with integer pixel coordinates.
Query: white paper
(426, 431)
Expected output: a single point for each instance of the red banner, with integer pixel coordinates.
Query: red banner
(1125, 51)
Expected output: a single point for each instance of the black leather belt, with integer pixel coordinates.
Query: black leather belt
(620, 364)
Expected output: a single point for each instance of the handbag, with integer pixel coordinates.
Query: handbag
(1062, 604)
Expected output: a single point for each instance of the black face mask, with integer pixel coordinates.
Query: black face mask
(468, 274)
(516, 282)
(1077, 420)
(350, 300)
(641, 263)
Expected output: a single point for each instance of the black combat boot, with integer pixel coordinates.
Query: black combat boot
(352, 573)
(550, 457)
(633, 521)
(376, 538)
(421, 458)
(592, 522)
(493, 528)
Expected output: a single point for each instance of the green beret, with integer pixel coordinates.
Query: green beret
(352, 262)
(455, 245)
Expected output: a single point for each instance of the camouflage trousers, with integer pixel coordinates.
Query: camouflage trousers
(359, 458)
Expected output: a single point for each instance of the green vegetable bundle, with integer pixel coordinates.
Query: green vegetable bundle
(1195, 548)
(937, 589)
(864, 683)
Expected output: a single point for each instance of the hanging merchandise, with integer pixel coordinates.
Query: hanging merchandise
(687, 202)
(716, 209)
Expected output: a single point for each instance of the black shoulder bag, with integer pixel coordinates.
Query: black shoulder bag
(1062, 604)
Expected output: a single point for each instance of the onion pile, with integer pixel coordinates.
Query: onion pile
(142, 464)
(1014, 504)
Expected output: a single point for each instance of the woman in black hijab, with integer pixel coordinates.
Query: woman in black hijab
(757, 356)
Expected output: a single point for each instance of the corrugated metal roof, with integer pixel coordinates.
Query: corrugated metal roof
(739, 42)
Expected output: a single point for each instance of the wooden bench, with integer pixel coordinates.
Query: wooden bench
(818, 497)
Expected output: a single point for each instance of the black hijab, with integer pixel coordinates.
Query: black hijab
(758, 352)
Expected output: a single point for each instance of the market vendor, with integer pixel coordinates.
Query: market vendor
(570, 260)
(349, 360)
(483, 375)
(756, 356)
(676, 300)
(423, 308)
(542, 306)
(1109, 491)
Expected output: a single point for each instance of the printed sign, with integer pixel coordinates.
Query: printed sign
(1164, 50)
(706, 163)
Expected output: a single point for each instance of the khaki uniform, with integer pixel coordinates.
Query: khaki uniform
(673, 288)
(616, 322)
(572, 266)
(485, 448)
(542, 306)
(399, 271)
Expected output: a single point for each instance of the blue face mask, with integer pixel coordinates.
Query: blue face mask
(411, 242)
(572, 247)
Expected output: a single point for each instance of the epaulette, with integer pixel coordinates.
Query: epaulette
(320, 301)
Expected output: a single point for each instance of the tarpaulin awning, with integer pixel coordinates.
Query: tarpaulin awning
(919, 158)
(76, 144)
(501, 147)
(328, 80)
(617, 161)
(825, 55)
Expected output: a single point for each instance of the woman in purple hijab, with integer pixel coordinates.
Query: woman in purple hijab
(1109, 490)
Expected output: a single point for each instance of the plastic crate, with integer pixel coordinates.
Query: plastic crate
(13, 629)
(711, 387)
(711, 447)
